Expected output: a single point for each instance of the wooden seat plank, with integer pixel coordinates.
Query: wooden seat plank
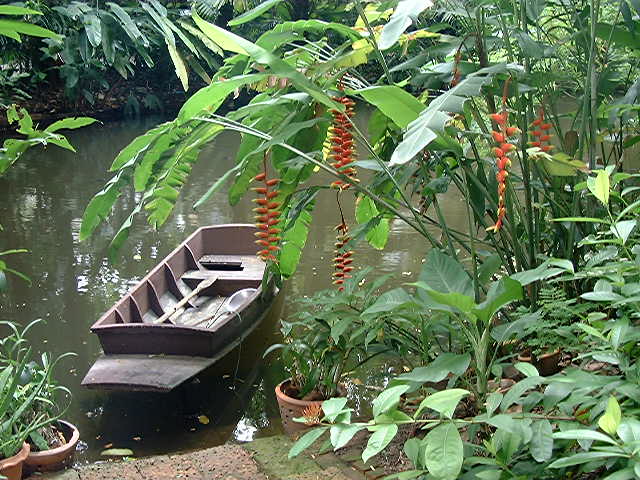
(157, 373)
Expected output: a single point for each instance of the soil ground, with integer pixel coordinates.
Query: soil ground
(262, 459)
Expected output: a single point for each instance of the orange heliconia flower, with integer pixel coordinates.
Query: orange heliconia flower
(342, 260)
(342, 148)
(503, 162)
(312, 414)
(267, 216)
(540, 133)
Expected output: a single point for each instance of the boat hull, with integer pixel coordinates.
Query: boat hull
(145, 339)
(193, 308)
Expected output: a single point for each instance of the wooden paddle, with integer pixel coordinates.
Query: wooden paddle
(201, 286)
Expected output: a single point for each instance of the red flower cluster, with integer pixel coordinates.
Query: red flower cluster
(342, 261)
(540, 132)
(341, 139)
(267, 217)
(502, 152)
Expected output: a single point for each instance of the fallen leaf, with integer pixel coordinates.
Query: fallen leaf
(137, 439)
(117, 452)
(203, 419)
(108, 445)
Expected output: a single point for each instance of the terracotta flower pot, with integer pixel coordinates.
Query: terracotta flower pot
(56, 458)
(291, 408)
(11, 467)
(547, 364)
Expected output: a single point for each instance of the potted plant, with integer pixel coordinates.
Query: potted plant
(545, 340)
(324, 338)
(30, 406)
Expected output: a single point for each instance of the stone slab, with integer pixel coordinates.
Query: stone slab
(166, 468)
(272, 453)
(222, 463)
(122, 470)
(64, 475)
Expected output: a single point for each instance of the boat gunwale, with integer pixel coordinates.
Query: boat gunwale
(97, 326)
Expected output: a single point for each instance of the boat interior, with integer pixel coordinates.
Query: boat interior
(190, 290)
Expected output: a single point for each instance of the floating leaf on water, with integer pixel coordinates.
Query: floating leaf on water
(203, 419)
(117, 452)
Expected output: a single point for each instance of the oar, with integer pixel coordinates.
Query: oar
(201, 286)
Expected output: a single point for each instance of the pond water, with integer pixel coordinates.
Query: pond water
(42, 199)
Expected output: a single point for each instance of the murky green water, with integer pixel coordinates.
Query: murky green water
(42, 199)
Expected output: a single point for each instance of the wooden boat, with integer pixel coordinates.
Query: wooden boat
(187, 313)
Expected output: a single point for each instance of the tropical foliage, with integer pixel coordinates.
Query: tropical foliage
(525, 111)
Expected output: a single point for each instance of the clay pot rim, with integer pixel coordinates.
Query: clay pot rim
(527, 356)
(16, 459)
(286, 398)
(70, 445)
(550, 354)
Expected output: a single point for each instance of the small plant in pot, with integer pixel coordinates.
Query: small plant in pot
(553, 334)
(37, 405)
(325, 339)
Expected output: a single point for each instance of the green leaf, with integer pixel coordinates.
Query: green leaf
(219, 183)
(445, 274)
(128, 25)
(625, 474)
(447, 301)
(444, 402)
(438, 370)
(367, 211)
(254, 12)
(541, 445)
(534, 9)
(443, 453)
(431, 121)
(405, 14)
(117, 452)
(178, 63)
(629, 430)
(584, 434)
(501, 293)
(493, 402)
(70, 123)
(279, 67)
(610, 421)
(623, 229)
(342, 433)
(527, 369)
(12, 10)
(93, 28)
(379, 440)
(599, 186)
(396, 103)
(100, 206)
(207, 100)
(333, 406)
(580, 219)
(388, 399)
(562, 165)
(580, 458)
(131, 152)
(517, 390)
(390, 300)
(306, 441)
(12, 28)
(295, 234)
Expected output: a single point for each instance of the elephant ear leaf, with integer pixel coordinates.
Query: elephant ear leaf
(403, 17)
(500, 294)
